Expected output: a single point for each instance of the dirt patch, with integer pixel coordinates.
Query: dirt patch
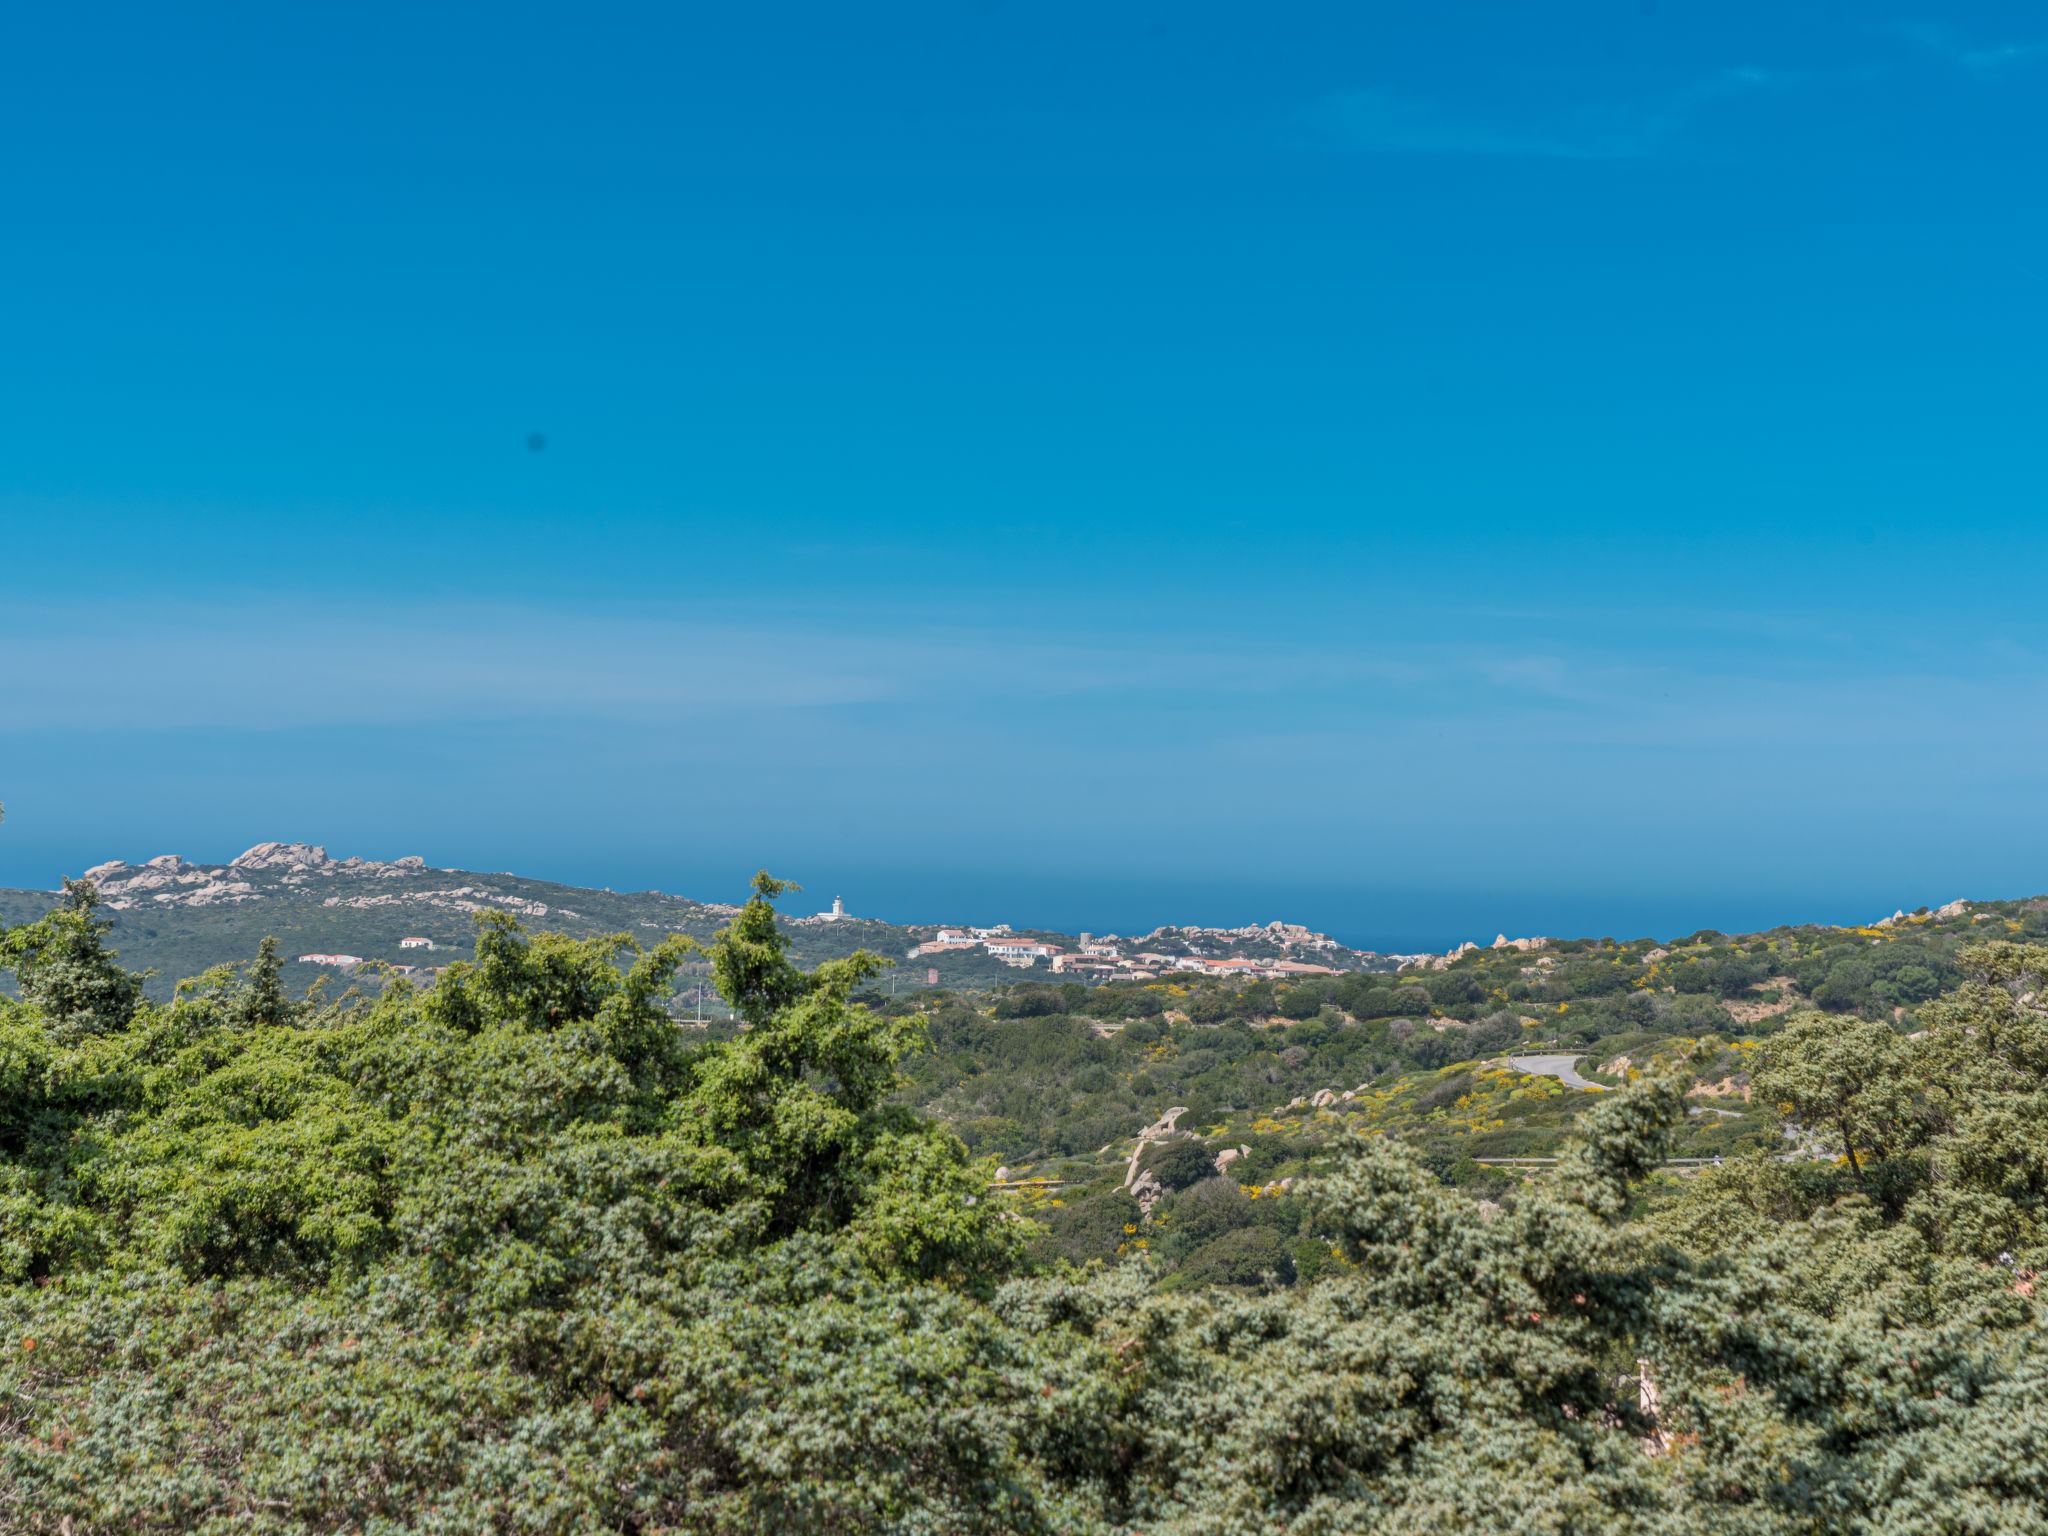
(1737, 1085)
(1750, 1011)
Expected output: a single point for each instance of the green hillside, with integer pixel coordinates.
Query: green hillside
(518, 1251)
(1042, 1071)
(180, 919)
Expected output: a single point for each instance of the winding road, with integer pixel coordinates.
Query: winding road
(1562, 1068)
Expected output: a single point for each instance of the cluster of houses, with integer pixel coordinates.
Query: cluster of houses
(1103, 958)
(999, 941)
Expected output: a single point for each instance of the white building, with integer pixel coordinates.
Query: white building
(415, 943)
(1020, 951)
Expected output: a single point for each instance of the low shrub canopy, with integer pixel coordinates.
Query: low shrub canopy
(517, 1253)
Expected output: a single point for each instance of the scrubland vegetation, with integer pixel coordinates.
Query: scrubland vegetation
(519, 1253)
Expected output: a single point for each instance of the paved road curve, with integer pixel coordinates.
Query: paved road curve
(1563, 1068)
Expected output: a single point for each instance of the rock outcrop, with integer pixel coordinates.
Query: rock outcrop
(290, 856)
(1158, 1130)
(165, 879)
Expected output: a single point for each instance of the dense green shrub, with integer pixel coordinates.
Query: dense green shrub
(1126, 1003)
(1077, 1231)
(1248, 1256)
(1497, 1032)
(1033, 1002)
(1451, 988)
(1179, 1164)
(1300, 1003)
(1912, 984)
(1430, 1049)
(518, 1254)
(1383, 1003)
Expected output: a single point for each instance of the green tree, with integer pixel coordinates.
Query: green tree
(1853, 1077)
(1300, 1003)
(66, 971)
(1180, 1164)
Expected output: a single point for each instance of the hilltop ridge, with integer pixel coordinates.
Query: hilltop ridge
(179, 917)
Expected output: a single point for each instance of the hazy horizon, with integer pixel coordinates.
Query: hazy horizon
(1387, 921)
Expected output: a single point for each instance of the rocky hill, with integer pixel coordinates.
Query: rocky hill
(179, 918)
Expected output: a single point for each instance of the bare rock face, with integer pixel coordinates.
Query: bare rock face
(285, 856)
(1231, 1155)
(1953, 909)
(1159, 1130)
(1324, 1098)
(165, 879)
(1163, 1126)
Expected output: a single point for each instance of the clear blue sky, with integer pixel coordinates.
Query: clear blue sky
(1418, 470)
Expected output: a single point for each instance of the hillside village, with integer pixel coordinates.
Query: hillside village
(1454, 1047)
(1217, 952)
(368, 918)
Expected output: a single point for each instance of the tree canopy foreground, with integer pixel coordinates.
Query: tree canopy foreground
(517, 1253)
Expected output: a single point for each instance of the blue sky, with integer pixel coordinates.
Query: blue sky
(1421, 471)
